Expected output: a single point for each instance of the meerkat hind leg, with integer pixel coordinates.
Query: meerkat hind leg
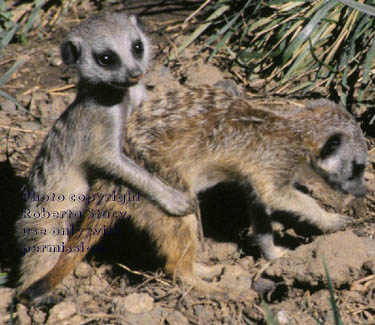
(177, 242)
(259, 215)
(261, 223)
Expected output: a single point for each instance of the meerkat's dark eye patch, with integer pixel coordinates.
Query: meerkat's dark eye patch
(330, 146)
(137, 49)
(107, 59)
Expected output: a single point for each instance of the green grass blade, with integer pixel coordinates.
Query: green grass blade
(222, 31)
(370, 10)
(332, 69)
(366, 72)
(301, 62)
(302, 86)
(2, 6)
(7, 96)
(233, 20)
(270, 318)
(343, 96)
(308, 29)
(37, 6)
(220, 45)
(5, 77)
(220, 11)
(8, 37)
(3, 278)
(336, 313)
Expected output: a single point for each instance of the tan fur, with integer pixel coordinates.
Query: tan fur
(195, 138)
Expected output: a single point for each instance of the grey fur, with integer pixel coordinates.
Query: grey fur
(342, 159)
(110, 53)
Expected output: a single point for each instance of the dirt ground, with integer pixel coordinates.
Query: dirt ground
(126, 285)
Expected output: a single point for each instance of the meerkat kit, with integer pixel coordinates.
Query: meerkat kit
(110, 53)
(195, 138)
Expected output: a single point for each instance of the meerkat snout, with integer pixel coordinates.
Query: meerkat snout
(342, 162)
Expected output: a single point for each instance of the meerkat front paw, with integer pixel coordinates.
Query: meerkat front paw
(334, 222)
(177, 203)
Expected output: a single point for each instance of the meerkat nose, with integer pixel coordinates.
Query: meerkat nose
(135, 75)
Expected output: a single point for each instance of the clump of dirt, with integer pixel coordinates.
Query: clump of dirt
(295, 287)
(343, 254)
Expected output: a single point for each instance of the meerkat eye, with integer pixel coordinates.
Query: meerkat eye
(137, 49)
(331, 146)
(106, 59)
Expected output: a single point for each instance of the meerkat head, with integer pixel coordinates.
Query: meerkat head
(340, 154)
(110, 48)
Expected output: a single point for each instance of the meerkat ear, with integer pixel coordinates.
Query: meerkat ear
(136, 20)
(71, 51)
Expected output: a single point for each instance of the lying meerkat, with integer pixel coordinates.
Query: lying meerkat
(110, 53)
(195, 138)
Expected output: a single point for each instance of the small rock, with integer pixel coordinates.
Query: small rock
(24, 99)
(96, 282)
(9, 107)
(370, 246)
(237, 283)
(30, 125)
(83, 270)
(62, 313)
(54, 57)
(83, 299)
(5, 298)
(282, 317)
(39, 317)
(205, 315)
(175, 317)
(343, 252)
(56, 62)
(263, 286)
(247, 262)
(320, 300)
(4, 119)
(155, 317)
(23, 317)
(138, 303)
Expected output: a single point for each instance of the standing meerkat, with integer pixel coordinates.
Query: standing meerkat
(110, 53)
(196, 138)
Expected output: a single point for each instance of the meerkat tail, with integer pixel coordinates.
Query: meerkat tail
(68, 259)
